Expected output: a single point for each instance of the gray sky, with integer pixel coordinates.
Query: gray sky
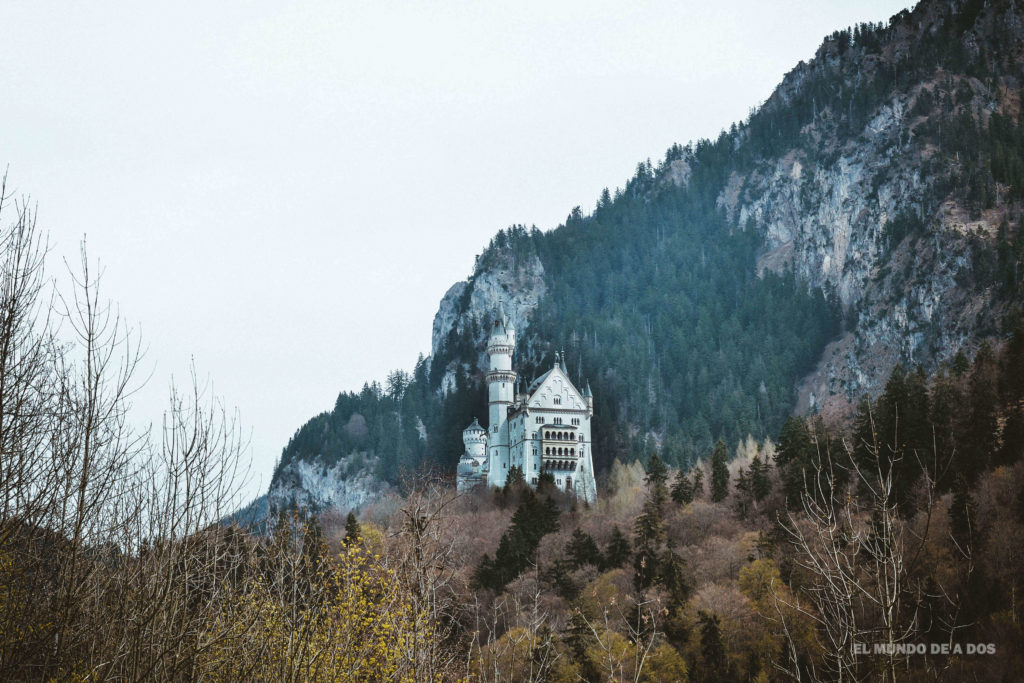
(284, 191)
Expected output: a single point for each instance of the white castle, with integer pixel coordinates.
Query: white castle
(544, 429)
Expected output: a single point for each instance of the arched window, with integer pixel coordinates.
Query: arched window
(581, 437)
(572, 451)
(558, 400)
(547, 435)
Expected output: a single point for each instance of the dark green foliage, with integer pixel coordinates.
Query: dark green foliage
(535, 517)
(760, 481)
(579, 638)
(582, 550)
(618, 550)
(719, 472)
(812, 460)
(893, 435)
(352, 531)
(649, 530)
(556, 575)
(714, 663)
(379, 426)
(794, 457)
(657, 477)
(682, 489)
(979, 430)
(515, 480)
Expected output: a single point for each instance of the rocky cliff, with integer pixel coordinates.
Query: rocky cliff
(515, 281)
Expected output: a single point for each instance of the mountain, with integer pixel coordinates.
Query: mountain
(867, 215)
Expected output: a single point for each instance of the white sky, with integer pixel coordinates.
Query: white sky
(284, 191)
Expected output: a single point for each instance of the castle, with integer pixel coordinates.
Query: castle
(544, 429)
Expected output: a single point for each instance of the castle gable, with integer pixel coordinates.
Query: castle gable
(555, 385)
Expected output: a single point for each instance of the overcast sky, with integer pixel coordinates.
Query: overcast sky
(284, 191)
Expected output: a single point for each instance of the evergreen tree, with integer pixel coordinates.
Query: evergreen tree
(719, 472)
(579, 639)
(657, 476)
(582, 550)
(353, 534)
(515, 479)
(980, 428)
(618, 550)
(682, 489)
(715, 666)
(794, 457)
(760, 482)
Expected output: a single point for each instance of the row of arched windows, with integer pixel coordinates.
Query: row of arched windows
(560, 465)
(571, 452)
(561, 436)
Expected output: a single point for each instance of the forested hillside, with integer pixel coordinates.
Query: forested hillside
(866, 215)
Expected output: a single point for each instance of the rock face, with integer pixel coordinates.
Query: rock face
(915, 300)
(349, 484)
(517, 284)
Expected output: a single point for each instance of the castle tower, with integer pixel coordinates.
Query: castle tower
(501, 382)
(471, 469)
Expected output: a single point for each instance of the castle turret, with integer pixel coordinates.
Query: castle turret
(501, 382)
(472, 468)
(588, 396)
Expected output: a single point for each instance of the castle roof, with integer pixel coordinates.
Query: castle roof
(475, 427)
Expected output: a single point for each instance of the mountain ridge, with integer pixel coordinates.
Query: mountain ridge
(866, 215)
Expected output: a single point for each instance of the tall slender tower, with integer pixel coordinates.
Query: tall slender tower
(501, 382)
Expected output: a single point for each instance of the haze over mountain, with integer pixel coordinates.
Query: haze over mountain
(867, 215)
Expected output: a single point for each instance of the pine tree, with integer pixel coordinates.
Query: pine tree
(515, 480)
(714, 661)
(657, 476)
(582, 550)
(719, 472)
(793, 458)
(618, 549)
(760, 482)
(353, 534)
(578, 639)
(682, 489)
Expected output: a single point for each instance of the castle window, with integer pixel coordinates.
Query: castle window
(540, 419)
(581, 437)
(495, 429)
(558, 400)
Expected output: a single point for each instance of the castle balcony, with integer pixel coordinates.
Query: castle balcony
(560, 465)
